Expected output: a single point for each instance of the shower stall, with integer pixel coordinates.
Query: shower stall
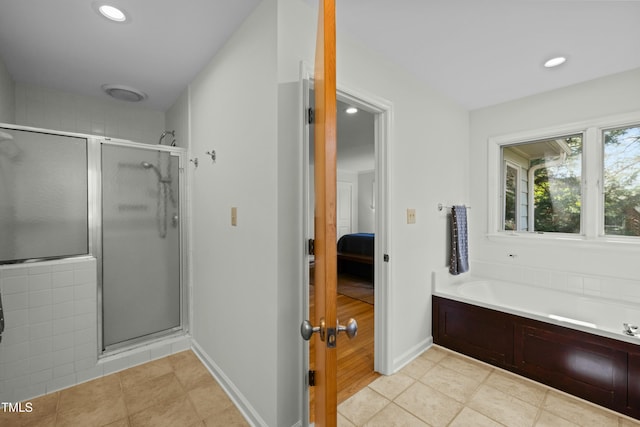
(66, 195)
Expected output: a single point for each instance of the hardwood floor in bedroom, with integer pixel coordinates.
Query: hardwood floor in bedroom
(355, 357)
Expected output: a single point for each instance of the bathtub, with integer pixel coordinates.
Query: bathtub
(598, 316)
(567, 341)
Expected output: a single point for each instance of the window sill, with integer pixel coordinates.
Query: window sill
(632, 243)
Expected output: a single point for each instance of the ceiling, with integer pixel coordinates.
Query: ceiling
(477, 52)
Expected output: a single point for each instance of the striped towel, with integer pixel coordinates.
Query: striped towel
(459, 262)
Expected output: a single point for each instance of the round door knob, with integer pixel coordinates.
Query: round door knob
(307, 330)
(351, 329)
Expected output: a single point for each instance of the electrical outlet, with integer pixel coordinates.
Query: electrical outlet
(411, 216)
(234, 216)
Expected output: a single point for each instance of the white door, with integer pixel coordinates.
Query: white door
(345, 213)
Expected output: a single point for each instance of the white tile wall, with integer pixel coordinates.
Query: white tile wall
(51, 340)
(51, 109)
(625, 290)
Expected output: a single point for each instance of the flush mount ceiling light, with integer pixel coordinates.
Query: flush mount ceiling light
(112, 13)
(554, 62)
(124, 93)
(351, 110)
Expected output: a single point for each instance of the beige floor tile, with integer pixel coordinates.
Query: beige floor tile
(417, 368)
(343, 422)
(547, 419)
(502, 407)
(189, 370)
(177, 413)
(158, 391)
(466, 367)
(42, 407)
(229, 417)
(625, 422)
(9, 419)
(578, 411)
(148, 371)
(182, 358)
(90, 394)
(435, 354)
(92, 412)
(451, 383)
(362, 406)
(519, 387)
(468, 417)
(429, 405)
(120, 423)
(46, 421)
(390, 386)
(209, 399)
(394, 416)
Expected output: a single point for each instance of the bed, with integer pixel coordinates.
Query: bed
(355, 255)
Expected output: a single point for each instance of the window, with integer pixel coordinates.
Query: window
(621, 179)
(552, 192)
(576, 181)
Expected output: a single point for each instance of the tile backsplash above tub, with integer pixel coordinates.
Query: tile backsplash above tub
(625, 290)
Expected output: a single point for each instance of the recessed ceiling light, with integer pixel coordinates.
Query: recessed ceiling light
(554, 62)
(351, 110)
(112, 13)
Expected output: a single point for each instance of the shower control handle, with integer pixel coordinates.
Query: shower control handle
(174, 220)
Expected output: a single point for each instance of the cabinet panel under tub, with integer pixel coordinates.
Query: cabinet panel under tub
(596, 368)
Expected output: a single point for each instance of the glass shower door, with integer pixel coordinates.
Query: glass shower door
(141, 292)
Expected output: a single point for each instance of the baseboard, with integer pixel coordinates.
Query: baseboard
(409, 355)
(243, 405)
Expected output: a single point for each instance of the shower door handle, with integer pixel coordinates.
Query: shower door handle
(1, 318)
(174, 220)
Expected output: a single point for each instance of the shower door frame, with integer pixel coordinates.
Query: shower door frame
(95, 225)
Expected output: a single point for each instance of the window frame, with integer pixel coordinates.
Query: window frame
(592, 209)
(516, 168)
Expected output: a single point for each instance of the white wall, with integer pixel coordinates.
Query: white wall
(177, 119)
(584, 267)
(52, 109)
(234, 104)
(7, 96)
(428, 164)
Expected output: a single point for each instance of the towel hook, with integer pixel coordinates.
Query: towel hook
(211, 153)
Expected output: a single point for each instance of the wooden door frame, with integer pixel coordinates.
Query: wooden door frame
(383, 112)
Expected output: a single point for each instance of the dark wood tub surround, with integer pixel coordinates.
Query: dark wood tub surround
(601, 370)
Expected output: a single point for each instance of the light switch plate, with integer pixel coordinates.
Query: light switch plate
(234, 216)
(411, 216)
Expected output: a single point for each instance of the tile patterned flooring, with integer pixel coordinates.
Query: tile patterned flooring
(439, 388)
(443, 388)
(174, 391)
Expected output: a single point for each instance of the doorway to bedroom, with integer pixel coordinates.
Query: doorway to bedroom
(361, 130)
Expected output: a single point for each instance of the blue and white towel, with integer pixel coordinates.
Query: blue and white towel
(459, 262)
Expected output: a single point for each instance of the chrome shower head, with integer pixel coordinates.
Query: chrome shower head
(165, 133)
(148, 165)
